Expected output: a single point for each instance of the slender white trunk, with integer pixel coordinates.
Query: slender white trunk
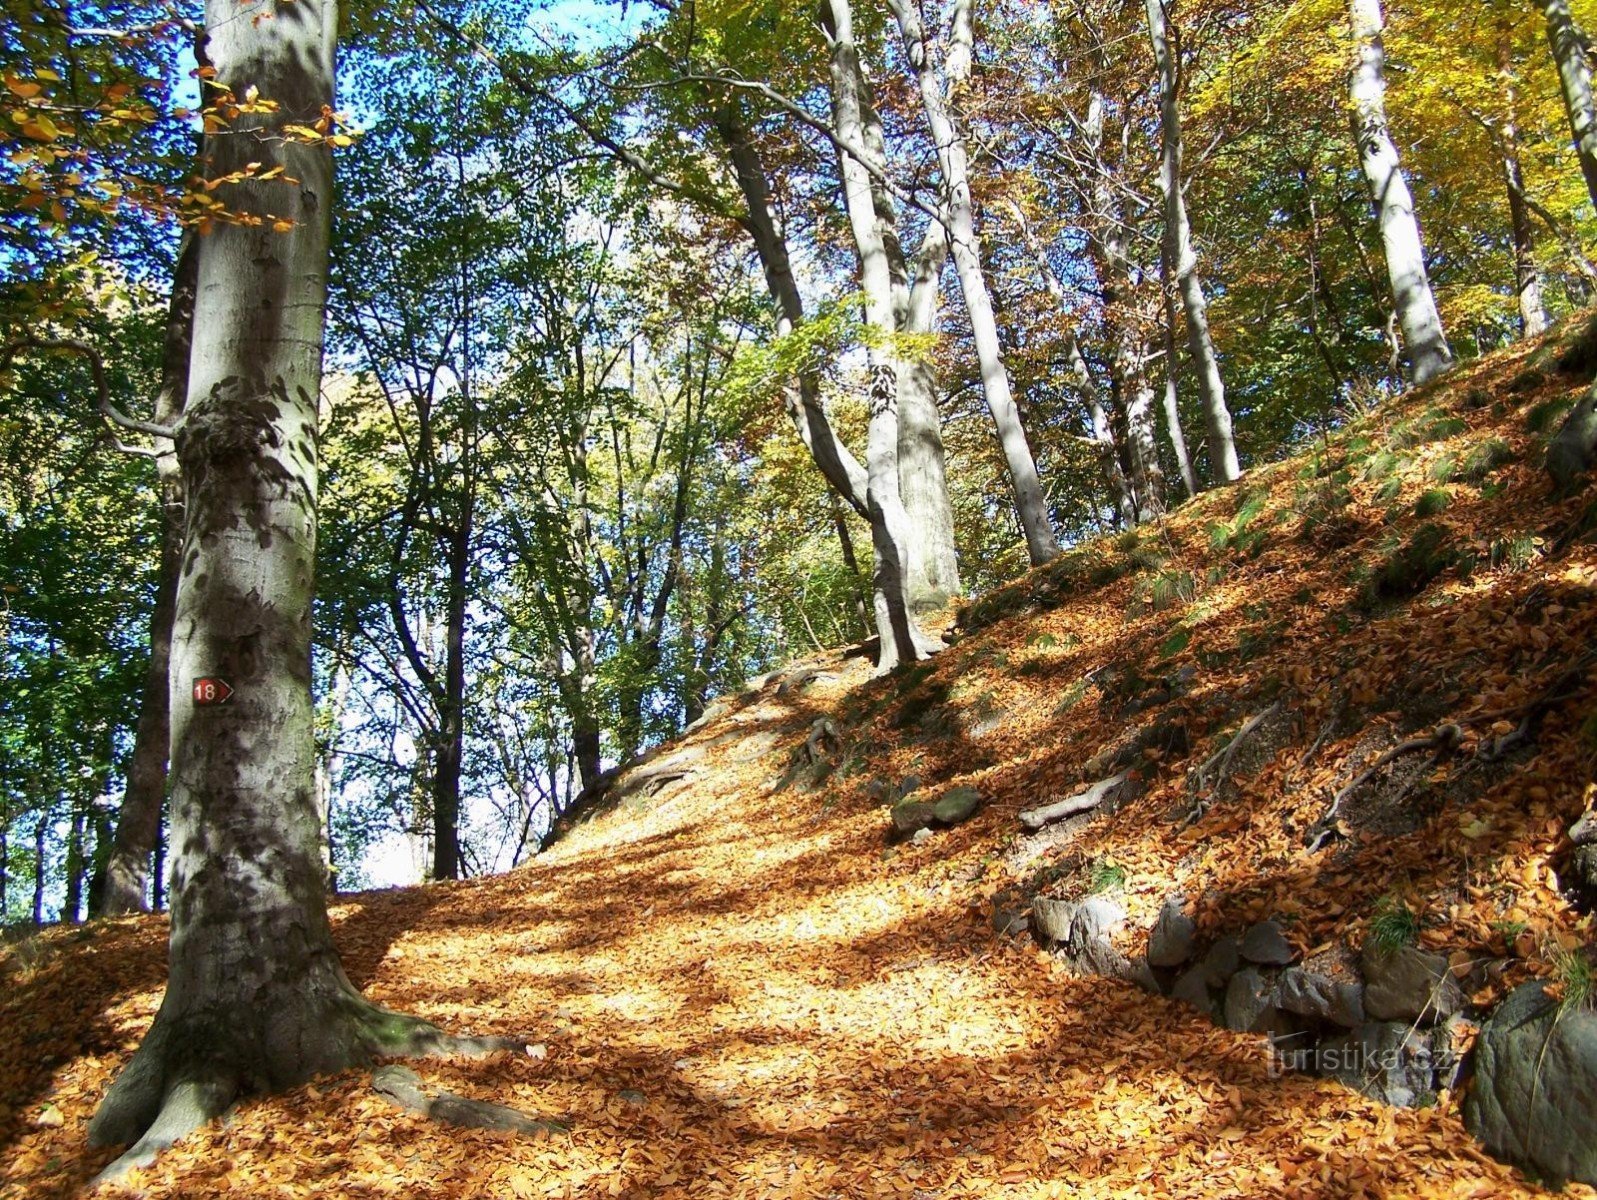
(1527, 277)
(1132, 416)
(1567, 41)
(127, 869)
(922, 469)
(1102, 432)
(1172, 393)
(901, 639)
(1031, 503)
(1183, 260)
(1412, 298)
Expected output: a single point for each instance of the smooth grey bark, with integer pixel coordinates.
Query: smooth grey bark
(1412, 298)
(1132, 411)
(933, 566)
(126, 881)
(1527, 277)
(1101, 435)
(1183, 263)
(932, 569)
(1172, 391)
(256, 997)
(953, 160)
(901, 640)
(804, 405)
(1567, 41)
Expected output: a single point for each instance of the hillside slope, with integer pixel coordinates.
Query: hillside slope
(738, 984)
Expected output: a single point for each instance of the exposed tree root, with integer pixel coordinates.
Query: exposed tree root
(1439, 741)
(186, 1075)
(1212, 772)
(402, 1086)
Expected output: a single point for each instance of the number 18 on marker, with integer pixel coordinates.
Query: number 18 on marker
(210, 690)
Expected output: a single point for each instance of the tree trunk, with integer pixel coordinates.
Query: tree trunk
(1527, 278)
(901, 639)
(1031, 503)
(127, 870)
(449, 752)
(39, 865)
(1172, 394)
(1412, 298)
(72, 902)
(1567, 41)
(1183, 260)
(256, 997)
(841, 469)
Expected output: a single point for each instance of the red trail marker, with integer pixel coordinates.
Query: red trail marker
(210, 690)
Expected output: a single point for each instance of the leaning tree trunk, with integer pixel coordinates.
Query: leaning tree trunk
(256, 997)
(953, 161)
(1414, 303)
(1183, 259)
(1568, 43)
(1527, 278)
(931, 572)
(127, 871)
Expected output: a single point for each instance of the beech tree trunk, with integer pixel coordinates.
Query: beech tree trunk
(1183, 262)
(1527, 278)
(1172, 391)
(953, 160)
(901, 639)
(933, 567)
(932, 572)
(126, 881)
(1567, 41)
(256, 997)
(1413, 301)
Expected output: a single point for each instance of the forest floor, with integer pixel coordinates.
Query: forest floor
(738, 986)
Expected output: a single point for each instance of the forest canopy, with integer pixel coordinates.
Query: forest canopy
(666, 341)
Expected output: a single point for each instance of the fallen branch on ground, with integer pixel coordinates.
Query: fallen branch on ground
(1218, 765)
(1036, 818)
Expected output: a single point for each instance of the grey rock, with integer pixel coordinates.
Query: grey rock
(921, 835)
(1096, 918)
(1583, 869)
(1388, 1061)
(1573, 449)
(1265, 944)
(1310, 994)
(1221, 962)
(1584, 831)
(1051, 919)
(1193, 988)
(1249, 1001)
(1171, 943)
(1534, 1102)
(1409, 984)
(956, 805)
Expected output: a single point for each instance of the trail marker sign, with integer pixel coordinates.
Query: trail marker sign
(209, 690)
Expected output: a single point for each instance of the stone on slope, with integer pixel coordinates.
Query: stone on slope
(1265, 944)
(1310, 994)
(1388, 1061)
(1409, 984)
(1534, 1102)
(956, 805)
(1171, 942)
(1249, 1001)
